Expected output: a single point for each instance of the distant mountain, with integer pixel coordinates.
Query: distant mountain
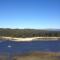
(53, 29)
(29, 32)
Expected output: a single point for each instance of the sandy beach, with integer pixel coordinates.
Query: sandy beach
(32, 38)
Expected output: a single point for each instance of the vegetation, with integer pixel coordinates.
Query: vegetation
(28, 33)
(31, 56)
(38, 56)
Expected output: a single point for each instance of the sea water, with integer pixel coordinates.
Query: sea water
(21, 47)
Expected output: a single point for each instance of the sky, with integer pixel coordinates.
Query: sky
(36, 14)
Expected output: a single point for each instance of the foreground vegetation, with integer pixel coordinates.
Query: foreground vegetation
(38, 56)
(33, 56)
(28, 33)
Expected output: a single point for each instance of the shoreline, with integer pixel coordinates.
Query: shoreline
(33, 56)
(31, 39)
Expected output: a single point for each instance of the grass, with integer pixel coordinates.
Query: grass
(38, 56)
(33, 56)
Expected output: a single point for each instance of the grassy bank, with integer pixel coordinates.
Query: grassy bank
(38, 56)
(33, 56)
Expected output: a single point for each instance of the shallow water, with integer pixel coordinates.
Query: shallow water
(21, 47)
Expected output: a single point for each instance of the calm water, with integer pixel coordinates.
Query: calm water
(21, 47)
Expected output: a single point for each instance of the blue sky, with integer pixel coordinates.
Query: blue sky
(38, 14)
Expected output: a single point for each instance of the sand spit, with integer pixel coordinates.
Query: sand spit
(31, 39)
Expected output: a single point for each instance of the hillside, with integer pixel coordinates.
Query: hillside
(7, 32)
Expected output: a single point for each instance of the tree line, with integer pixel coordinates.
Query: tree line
(28, 33)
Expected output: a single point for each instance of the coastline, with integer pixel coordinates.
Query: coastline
(33, 56)
(38, 56)
(31, 39)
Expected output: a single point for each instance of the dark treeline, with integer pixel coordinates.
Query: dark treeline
(28, 33)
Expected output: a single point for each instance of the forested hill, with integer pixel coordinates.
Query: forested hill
(29, 32)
